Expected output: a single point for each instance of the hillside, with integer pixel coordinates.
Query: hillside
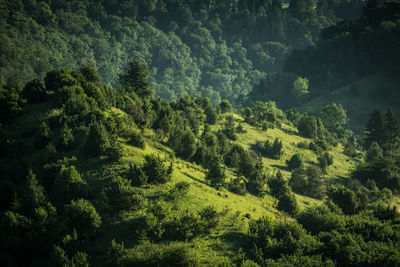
(115, 177)
(360, 99)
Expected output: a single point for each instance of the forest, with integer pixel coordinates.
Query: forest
(199, 133)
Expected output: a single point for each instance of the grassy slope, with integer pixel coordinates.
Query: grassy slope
(375, 91)
(228, 237)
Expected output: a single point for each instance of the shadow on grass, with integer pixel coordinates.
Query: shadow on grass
(194, 178)
(236, 239)
(282, 168)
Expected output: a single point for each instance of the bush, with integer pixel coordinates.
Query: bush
(97, 140)
(136, 139)
(225, 106)
(307, 182)
(210, 216)
(267, 149)
(122, 196)
(295, 162)
(82, 215)
(186, 227)
(156, 170)
(43, 136)
(147, 226)
(216, 175)
(179, 191)
(137, 175)
(238, 185)
(115, 152)
(69, 184)
(324, 161)
(345, 198)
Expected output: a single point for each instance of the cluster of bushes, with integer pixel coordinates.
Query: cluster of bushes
(324, 236)
(269, 150)
(264, 115)
(159, 224)
(280, 189)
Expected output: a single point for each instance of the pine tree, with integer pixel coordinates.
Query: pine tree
(392, 132)
(136, 80)
(374, 129)
(216, 175)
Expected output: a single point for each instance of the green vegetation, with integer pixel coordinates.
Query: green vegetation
(98, 170)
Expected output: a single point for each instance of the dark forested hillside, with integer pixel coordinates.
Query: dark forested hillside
(218, 49)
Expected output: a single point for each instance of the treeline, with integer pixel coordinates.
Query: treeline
(215, 49)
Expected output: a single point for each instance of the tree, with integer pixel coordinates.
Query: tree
(90, 73)
(374, 129)
(295, 162)
(97, 140)
(11, 103)
(392, 131)
(288, 203)
(156, 170)
(58, 78)
(300, 87)
(230, 130)
(225, 106)
(69, 184)
(334, 118)
(302, 9)
(35, 92)
(82, 215)
(374, 152)
(307, 126)
(122, 196)
(136, 80)
(324, 161)
(216, 175)
(307, 182)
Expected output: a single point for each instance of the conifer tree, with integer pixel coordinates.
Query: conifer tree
(374, 129)
(392, 131)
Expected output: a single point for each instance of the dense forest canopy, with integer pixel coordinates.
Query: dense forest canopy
(215, 49)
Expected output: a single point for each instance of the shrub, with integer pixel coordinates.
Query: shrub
(324, 161)
(69, 184)
(115, 152)
(267, 149)
(136, 139)
(216, 175)
(295, 162)
(238, 185)
(97, 140)
(137, 175)
(210, 216)
(156, 170)
(225, 106)
(122, 196)
(179, 191)
(82, 216)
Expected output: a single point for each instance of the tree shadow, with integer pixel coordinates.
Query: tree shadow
(194, 178)
(282, 168)
(236, 239)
